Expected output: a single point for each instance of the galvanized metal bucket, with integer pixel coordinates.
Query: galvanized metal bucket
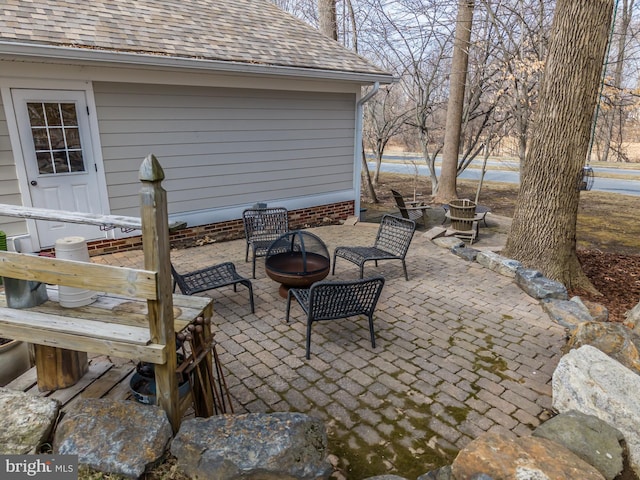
(24, 293)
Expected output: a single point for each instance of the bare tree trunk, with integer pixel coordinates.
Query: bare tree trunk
(543, 232)
(354, 26)
(367, 178)
(447, 187)
(327, 18)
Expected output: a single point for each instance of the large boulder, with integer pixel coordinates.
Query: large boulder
(466, 253)
(593, 440)
(120, 437)
(632, 318)
(26, 421)
(614, 339)
(276, 446)
(385, 477)
(538, 286)
(500, 457)
(498, 263)
(448, 242)
(442, 473)
(598, 311)
(566, 313)
(591, 382)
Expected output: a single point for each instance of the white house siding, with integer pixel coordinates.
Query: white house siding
(223, 148)
(9, 189)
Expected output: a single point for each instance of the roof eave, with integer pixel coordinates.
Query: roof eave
(165, 61)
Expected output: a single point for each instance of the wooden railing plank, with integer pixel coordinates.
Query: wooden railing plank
(86, 336)
(70, 273)
(50, 324)
(104, 221)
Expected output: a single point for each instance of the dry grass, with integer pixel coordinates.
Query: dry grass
(606, 221)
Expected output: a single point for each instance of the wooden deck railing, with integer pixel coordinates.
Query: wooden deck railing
(144, 333)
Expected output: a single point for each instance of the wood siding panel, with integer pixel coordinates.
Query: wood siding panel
(9, 188)
(222, 147)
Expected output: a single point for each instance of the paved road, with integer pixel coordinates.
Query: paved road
(613, 185)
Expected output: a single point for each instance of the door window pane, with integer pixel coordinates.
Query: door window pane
(36, 114)
(75, 161)
(40, 138)
(45, 164)
(69, 114)
(56, 137)
(52, 111)
(73, 137)
(60, 162)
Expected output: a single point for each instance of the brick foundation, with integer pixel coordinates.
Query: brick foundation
(229, 230)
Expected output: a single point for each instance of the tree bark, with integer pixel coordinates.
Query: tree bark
(447, 186)
(366, 176)
(543, 232)
(327, 18)
(354, 26)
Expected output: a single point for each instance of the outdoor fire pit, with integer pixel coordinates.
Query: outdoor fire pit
(297, 259)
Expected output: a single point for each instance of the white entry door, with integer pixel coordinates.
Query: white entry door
(57, 151)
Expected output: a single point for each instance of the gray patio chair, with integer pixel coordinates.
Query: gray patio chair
(208, 278)
(332, 300)
(261, 227)
(392, 243)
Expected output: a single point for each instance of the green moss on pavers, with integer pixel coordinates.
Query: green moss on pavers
(397, 453)
(364, 461)
(459, 414)
(492, 363)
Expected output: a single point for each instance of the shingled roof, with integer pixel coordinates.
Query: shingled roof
(246, 32)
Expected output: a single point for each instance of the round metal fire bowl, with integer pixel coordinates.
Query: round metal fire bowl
(289, 270)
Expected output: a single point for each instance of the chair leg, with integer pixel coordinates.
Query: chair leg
(254, 265)
(288, 306)
(333, 271)
(309, 322)
(247, 284)
(362, 270)
(404, 267)
(373, 335)
(475, 228)
(246, 253)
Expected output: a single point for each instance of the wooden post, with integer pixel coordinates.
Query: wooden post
(58, 367)
(155, 242)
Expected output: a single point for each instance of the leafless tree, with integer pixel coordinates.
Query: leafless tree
(414, 38)
(616, 99)
(457, 84)
(385, 117)
(522, 29)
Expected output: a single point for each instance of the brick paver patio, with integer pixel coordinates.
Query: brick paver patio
(461, 351)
